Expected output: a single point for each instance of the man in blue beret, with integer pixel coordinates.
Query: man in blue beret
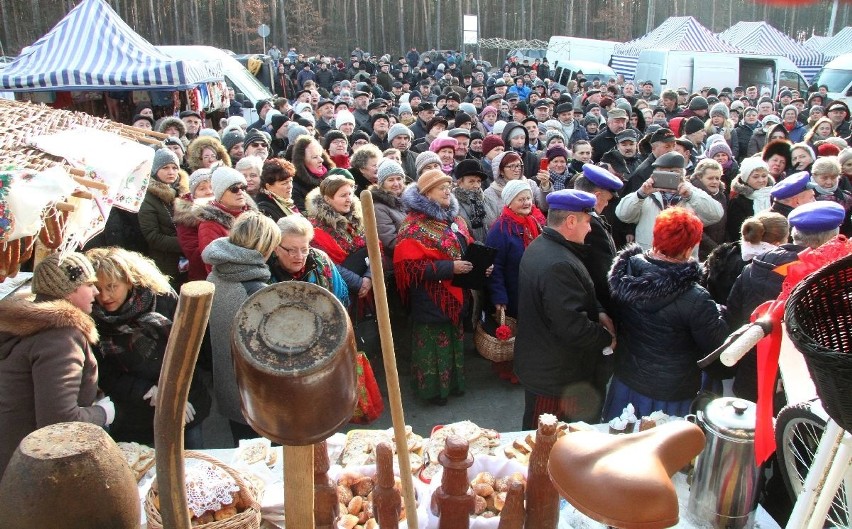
(792, 192)
(562, 328)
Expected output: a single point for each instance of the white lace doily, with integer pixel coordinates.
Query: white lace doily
(208, 487)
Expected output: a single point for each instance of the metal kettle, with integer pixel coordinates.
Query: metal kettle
(726, 482)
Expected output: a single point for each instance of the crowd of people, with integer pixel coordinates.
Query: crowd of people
(632, 230)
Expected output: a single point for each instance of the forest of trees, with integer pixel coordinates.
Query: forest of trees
(392, 26)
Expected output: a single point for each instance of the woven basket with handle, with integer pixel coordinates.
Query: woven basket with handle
(493, 348)
(248, 519)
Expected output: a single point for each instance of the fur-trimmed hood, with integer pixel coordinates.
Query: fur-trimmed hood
(414, 201)
(21, 317)
(167, 193)
(386, 197)
(650, 284)
(218, 215)
(171, 121)
(319, 209)
(186, 212)
(193, 152)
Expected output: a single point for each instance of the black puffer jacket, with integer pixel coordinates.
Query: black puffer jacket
(757, 283)
(667, 323)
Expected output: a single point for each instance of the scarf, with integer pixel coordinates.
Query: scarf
(422, 240)
(558, 180)
(134, 332)
(447, 169)
(341, 160)
(316, 271)
(475, 199)
(761, 199)
(287, 205)
(319, 174)
(336, 243)
(823, 191)
(526, 227)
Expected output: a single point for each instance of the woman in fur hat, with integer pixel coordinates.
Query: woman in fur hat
(432, 241)
(749, 194)
(133, 314)
(777, 155)
(335, 213)
(205, 151)
(48, 372)
(155, 215)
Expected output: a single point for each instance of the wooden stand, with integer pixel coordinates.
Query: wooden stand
(454, 501)
(512, 515)
(326, 507)
(387, 500)
(542, 497)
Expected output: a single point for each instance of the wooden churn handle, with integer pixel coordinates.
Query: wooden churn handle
(389, 356)
(187, 332)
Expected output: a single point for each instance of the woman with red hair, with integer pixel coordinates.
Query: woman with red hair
(668, 321)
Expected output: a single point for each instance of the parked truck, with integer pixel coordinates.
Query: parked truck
(837, 76)
(565, 49)
(696, 69)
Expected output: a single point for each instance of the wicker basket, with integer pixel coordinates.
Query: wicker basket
(490, 346)
(818, 316)
(248, 519)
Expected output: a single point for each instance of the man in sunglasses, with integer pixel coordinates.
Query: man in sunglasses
(256, 143)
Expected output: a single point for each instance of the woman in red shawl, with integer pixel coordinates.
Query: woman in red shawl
(519, 223)
(431, 242)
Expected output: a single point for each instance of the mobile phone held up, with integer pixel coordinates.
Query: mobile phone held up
(666, 179)
(543, 164)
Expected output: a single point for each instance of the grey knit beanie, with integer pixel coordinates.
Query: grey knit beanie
(231, 138)
(388, 168)
(719, 109)
(399, 129)
(55, 278)
(162, 158)
(424, 159)
(197, 177)
(223, 178)
(294, 131)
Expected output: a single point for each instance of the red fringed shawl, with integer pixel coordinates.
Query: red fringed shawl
(423, 240)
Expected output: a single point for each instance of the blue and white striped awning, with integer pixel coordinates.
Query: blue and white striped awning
(816, 42)
(92, 48)
(837, 45)
(761, 38)
(675, 33)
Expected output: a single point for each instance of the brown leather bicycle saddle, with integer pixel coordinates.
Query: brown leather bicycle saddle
(625, 480)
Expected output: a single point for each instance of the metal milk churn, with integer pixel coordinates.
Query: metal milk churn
(726, 482)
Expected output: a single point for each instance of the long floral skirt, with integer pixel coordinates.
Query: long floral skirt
(437, 359)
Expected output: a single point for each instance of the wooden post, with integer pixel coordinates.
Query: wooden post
(193, 311)
(389, 357)
(326, 505)
(542, 497)
(299, 485)
(385, 497)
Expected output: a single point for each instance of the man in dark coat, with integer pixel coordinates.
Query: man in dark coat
(604, 141)
(661, 142)
(562, 329)
(792, 192)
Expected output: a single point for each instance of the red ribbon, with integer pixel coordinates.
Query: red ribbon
(768, 352)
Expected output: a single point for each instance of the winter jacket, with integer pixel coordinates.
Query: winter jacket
(643, 212)
(714, 234)
(559, 341)
(756, 142)
(158, 228)
(48, 373)
(621, 167)
(468, 211)
(389, 216)
(186, 218)
(130, 357)
(303, 181)
(122, 230)
(598, 257)
(503, 282)
(216, 222)
(667, 322)
(528, 157)
(602, 143)
(741, 207)
(237, 273)
(757, 283)
(744, 133)
(269, 207)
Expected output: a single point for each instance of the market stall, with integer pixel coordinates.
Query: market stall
(762, 38)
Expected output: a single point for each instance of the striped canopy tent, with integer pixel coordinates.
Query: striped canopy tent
(675, 33)
(837, 45)
(92, 48)
(760, 37)
(816, 42)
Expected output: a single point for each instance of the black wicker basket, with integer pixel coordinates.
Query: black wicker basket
(818, 316)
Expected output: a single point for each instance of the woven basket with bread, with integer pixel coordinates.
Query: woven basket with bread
(242, 512)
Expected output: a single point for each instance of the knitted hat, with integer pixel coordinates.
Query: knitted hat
(398, 129)
(425, 158)
(223, 178)
(698, 103)
(488, 110)
(491, 141)
(828, 149)
(442, 143)
(512, 189)
(344, 116)
(468, 108)
(553, 133)
(432, 179)
(277, 121)
(255, 135)
(498, 127)
(789, 108)
(719, 109)
(717, 147)
(405, 107)
(162, 158)
(232, 138)
(57, 278)
(294, 131)
(692, 125)
(388, 168)
(517, 131)
(332, 135)
(208, 132)
(195, 179)
(845, 155)
(557, 151)
(748, 166)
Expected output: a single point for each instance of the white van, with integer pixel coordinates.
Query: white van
(563, 71)
(246, 86)
(564, 49)
(695, 69)
(837, 76)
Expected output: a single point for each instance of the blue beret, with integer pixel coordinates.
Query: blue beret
(571, 200)
(818, 216)
(602, 178)
(792, 185)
